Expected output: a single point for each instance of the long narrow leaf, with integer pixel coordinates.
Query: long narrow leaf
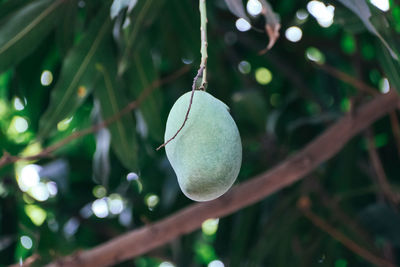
(141, 74)
(25, 30)
(76, 79)
(123, 132)
(361, 9)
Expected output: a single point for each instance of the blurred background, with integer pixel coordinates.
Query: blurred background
(66, 65)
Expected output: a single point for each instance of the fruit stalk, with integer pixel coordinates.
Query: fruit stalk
(204, 43)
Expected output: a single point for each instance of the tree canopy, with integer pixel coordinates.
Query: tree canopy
(85, 91)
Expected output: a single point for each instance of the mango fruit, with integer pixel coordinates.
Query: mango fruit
(206, 155)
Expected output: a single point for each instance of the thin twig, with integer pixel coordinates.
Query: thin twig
(304, 206)
(188, 110)
(8, 159)
(204, 43)
(358, 84)
(202, 72)
(146, 238)
(380, 172)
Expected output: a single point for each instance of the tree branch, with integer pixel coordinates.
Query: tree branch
(8, 159)
(304, 206)
(381, 180)
(146, 238)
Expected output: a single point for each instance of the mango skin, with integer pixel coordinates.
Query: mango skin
(206, 155)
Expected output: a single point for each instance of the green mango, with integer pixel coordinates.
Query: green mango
(206, 155)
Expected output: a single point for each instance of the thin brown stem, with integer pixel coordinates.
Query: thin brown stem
(358, 84)
(200, 71)
(47, 152)
(304, 206)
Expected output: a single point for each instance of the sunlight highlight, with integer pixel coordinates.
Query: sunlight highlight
(46, 78)
(26, 242)
(263, 76)
(243, 25)
(18, 105)
(294, 34)
(216, 263)
(210, 226)
(100, 208)
(381, 4)
(323, 14)
(29, 177)
(384, 85)
(254, 7)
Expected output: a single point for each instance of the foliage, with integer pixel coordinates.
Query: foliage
(66, 65)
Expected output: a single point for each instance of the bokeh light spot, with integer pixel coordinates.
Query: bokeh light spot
(244, 67)
(100, 208)
(36, 214)
(46, 78)
(381, 4)
(254, 7)
(18, 105)
(151, 201)
(166, 264)
(263, 76)
(64, 124)
(99, 191)
(315, 55)
(210, 226)
(81, 91)
(26, 242)
(115, 204)
(293, 34)
(243, 25)
(323, 14)
(384, 85)
(20, 124)
(216, 263)
(28, 177)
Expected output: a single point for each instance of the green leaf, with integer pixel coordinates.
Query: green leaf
(141, 74)
(361, 9)
(390, 66)
(77, 75)
(142, 16)
(66, 28)
(25, 30)
(10, 6)
(123, 131)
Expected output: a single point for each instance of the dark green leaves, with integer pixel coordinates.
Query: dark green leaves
(361, 9)
(141, 75)
(25, 30)
(77, 74)
(123, 131)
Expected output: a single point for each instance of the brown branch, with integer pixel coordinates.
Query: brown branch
(380, 172)
(8, 159)
(199, 73)
(304, 206)
(146, 238)
(358, 84)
